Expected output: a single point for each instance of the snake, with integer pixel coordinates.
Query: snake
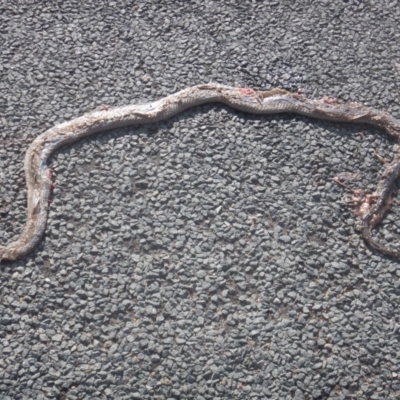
(370, 208)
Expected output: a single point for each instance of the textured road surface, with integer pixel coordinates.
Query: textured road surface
(210, 256)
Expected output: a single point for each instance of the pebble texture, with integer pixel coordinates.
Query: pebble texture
(209, 256)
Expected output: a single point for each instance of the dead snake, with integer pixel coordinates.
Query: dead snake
(370, 208)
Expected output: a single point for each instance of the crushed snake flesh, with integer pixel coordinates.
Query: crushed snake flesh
(370, 207)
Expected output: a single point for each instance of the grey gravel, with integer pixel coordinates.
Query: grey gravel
(209, 256)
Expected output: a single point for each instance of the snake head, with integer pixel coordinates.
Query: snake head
(7, 254)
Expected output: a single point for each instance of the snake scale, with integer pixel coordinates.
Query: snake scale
(370, 207)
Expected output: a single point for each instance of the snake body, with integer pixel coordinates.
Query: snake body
(39, 180)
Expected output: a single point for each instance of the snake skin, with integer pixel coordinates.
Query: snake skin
(370, 208)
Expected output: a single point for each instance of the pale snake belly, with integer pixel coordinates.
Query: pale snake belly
(371, 208)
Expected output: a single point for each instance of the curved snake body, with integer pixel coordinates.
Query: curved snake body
(38, 175)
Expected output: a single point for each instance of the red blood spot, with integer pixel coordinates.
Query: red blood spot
(49, 174)
(247, 91)
(104, 108)
(329, 100)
